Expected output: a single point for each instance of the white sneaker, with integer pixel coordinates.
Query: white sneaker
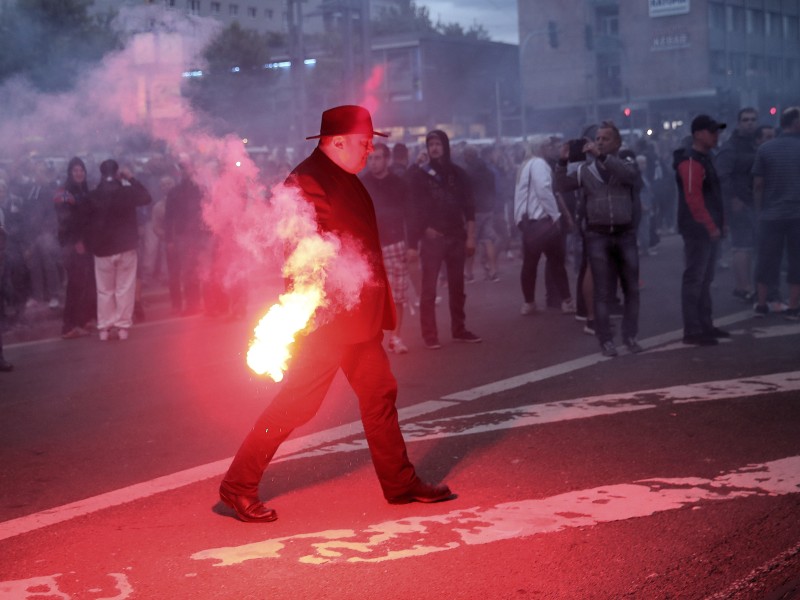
(528, 308)
(122, 334)
(568, 307)
(397, 346)
(103, 335)
(54, 303)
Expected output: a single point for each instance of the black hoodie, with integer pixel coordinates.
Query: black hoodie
(441, 195)
(68, 205)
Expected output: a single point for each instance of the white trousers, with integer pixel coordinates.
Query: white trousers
(116, 289)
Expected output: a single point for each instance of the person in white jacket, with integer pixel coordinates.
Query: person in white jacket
(537, 216)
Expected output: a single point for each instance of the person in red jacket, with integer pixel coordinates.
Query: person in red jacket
(350, 340)
(700, 222)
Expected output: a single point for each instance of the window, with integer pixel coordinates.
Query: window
(791, 28)
(609, 76)
(773, 25)
(719, 64)
(251, 11)
(216, 7)
(773, 67)
(233, 9)
(755, 21)
(736, 19)
(791, 68)
(607, 21)
(738, 62)
(716, 16)
(194, 6)
(755, 65)
(270, 14)
(169, 2)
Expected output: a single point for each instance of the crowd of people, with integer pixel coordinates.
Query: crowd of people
(448, 214)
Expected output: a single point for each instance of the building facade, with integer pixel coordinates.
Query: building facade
(654, 63)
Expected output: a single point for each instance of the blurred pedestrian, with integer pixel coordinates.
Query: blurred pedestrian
(113, 239)
(777, 201)
(187, 241)
(484, 191)
(700, 223)
(41, 245)
(537, 216)
(389, 194)
(612, 216)
(734, 165)
(444, 228)
(80, 301)
(5, 366)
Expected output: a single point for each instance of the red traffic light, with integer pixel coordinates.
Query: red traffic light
(773, 110)
(626, 111)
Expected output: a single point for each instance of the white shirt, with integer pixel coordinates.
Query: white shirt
(534, 194)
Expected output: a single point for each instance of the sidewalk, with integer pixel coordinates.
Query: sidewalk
(42, 322)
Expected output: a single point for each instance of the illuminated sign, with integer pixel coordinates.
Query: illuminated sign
(670, 41)
(666, 8)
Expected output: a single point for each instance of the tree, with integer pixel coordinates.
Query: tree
(235, 80)
(51, 42)
(406, 17)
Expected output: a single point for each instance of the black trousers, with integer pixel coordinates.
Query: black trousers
(452, 252)
(543, 236)
(80, 302)
(311, 371)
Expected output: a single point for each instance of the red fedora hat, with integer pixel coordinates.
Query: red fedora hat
(342, 120)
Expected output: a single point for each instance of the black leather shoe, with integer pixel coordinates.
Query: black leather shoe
(247, 508)
(700, 340)
(716, 332)
(424, 492)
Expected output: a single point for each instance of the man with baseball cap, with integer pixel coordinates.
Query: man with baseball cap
(350, 340)
(700, 223)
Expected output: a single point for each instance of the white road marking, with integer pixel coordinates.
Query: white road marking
(418, 536)
(578, 363)
(295, 448)
(580, 408)
(47, 586)
(761, 333)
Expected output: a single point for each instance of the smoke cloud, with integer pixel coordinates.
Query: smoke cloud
(135, 94)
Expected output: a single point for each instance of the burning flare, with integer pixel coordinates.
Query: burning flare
(276, 331)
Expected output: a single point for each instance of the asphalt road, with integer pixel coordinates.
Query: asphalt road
(670, 474)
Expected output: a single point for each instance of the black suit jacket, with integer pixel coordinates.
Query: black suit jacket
(344, 207)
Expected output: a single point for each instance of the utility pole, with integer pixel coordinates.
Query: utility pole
(297, 57)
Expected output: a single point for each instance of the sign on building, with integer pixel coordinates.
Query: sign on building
(666, 8)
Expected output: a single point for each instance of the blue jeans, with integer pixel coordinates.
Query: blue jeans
(700, 256)
(452, 252)
(612, 257)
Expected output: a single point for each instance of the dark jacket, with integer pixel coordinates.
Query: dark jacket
(183, 211)
(111, 216)
(344, 207)
(700, 210)
(734, 163)
(441, 196)
(69, 201)
(390, 198)
(611, 203)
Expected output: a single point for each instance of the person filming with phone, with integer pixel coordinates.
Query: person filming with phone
(612, 212)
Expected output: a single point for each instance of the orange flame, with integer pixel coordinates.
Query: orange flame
(276, 331)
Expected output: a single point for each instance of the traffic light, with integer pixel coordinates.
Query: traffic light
(552, 34)
(773, 110)
(626, 111)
